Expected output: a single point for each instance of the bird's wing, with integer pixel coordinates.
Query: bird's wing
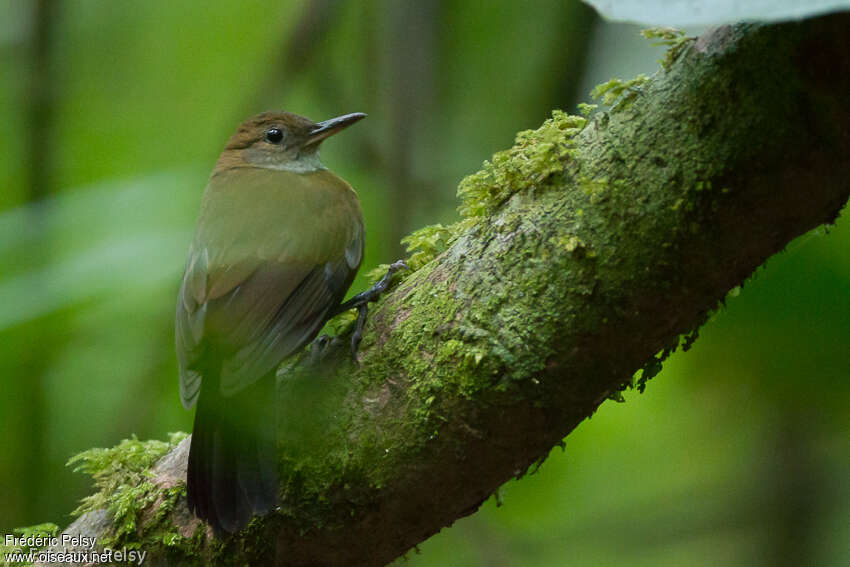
(255, 305)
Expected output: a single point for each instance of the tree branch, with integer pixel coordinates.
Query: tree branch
(481, 361)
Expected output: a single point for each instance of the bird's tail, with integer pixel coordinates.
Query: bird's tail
(232, 472)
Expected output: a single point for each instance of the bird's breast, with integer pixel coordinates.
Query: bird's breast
(278, 216)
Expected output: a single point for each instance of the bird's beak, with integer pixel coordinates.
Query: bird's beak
(332, 126)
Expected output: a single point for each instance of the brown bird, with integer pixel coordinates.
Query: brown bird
(277, 244)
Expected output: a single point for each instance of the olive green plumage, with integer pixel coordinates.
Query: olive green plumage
(277, 244)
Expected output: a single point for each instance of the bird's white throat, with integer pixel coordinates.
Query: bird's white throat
(300, 163)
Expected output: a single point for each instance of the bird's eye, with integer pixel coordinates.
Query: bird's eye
(274, 135)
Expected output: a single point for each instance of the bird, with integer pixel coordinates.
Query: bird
(277, 244)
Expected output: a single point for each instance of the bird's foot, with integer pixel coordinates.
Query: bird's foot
(361, 303)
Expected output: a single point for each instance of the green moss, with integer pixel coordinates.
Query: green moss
(569, 243)
(344, 322)
(38, 530)
(124, 484)
(535, 156)
(585, 109)
(619, 94)
(674, 39)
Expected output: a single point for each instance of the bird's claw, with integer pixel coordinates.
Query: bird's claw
(361, 303)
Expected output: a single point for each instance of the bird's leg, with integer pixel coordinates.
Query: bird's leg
(373, 292)
(357, 335)
(361, 303)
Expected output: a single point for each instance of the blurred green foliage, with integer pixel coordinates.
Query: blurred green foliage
(735, 455)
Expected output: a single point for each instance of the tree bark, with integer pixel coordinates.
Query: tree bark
(481, 361)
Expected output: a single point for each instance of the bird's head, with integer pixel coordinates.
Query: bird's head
(281, 140)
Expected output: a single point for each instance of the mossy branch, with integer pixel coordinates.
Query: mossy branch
(584, 252)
